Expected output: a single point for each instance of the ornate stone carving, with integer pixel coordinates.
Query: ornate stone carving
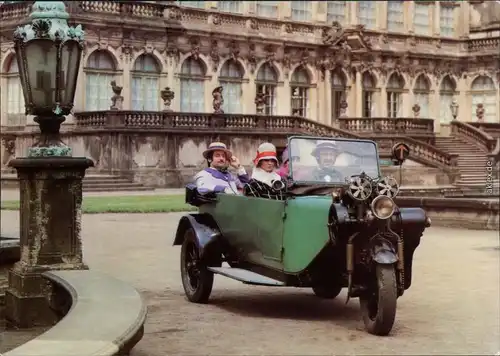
(126, 53)
(343, 108)
(437, 43)
(117, 98)
(172, 52)
(270, 53)
(416, 110)
(286, 61)
(215, 19)
(9, 145)
(332, 34)
(480, 112)
(252, 24)
(287, 28)
(167, 96)
(218, 100)
(411, 41)
(234, 50)
(174, 13)
(260, 102)
(214, 55)
(304, 57)
(383, 38)
(195, 47)
(252, 58)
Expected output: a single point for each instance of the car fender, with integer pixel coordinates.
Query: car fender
(205, 229)
(382, 252)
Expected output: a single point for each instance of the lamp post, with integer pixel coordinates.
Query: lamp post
(454, 109)
(48, 54)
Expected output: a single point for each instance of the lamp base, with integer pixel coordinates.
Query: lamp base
(51, 151)
(50, 144)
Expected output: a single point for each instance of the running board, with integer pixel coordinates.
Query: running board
(245, 276)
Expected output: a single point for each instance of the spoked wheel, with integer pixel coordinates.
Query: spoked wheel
(327, 291)
(197, 280)
(378, 307)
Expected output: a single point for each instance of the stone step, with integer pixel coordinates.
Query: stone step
(115, 181)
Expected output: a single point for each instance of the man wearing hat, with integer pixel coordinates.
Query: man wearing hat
(265, 182)
(216, 178)
(326, 153)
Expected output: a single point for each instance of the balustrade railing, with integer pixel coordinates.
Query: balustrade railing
(473, 134)
(379, 125)
(284, 126)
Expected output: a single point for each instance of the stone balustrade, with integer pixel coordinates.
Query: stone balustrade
(473, 134)
(413, 127)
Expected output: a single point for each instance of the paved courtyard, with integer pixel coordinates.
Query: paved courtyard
(451, 308)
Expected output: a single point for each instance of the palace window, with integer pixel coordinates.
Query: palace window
(100, 71)
(301, 10)
(300, 85)
(15, 97)
(484, 92)
(339, 86)
(198, 4)
(145, 84)
(267, 83)
(367, 13)
(192, 78)
(422, 19)
(422, 93)
(267, 9)
(336, 11)
(230, 6)
(369, 89)
(395, 88)
(395, 16)
(446, 21)
(447, 91)
(231, 79)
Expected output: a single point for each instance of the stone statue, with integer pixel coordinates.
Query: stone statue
(260, 102)
(218, 100)
(332, 34)
(480, 112)
(416, 110)
(343, 108)
(167, 96)
(117, 98)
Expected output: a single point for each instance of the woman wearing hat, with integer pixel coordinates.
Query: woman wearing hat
(265, 182)
(216, 178)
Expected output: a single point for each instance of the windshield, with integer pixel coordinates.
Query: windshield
(331, 160)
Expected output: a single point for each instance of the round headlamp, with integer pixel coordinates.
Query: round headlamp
(383, 207)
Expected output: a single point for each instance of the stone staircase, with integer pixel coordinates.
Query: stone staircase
(472, 162)
(91, 183)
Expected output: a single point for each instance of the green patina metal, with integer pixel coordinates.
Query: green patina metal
(51, 151)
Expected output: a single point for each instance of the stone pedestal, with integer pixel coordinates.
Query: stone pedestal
(50, 236)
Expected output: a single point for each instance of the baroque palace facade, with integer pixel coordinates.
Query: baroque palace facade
(317, 59)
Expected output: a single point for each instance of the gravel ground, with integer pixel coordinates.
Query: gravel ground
(452, 306)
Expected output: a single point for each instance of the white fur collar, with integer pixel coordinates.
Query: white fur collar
(265, 177)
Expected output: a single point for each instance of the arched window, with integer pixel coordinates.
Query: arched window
(369, 88)
(484, 92)
(300, 85)
(447, 91)
(100, 71)
(267, 83)
(193, 85)
(338, 92)
(422, 93)
(395, 87)
(15, 98)
(145, 83)
(231, 79)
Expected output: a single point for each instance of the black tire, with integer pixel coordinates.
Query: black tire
(327, 291)
(378, 307)
(197, 280)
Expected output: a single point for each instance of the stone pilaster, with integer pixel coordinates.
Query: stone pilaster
(50, 236)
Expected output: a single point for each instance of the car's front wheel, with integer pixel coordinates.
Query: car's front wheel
(197, 280)
(327, 291)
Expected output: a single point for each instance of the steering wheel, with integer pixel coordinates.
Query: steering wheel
(360, 187)
(332, 174)
(388, 186)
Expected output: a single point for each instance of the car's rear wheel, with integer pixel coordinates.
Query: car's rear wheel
(197, 280)
(378, 306)
(327, 291)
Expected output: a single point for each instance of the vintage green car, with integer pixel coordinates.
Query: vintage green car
(337, 227)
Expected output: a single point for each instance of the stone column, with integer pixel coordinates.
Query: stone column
(51, 198)
(359, 95)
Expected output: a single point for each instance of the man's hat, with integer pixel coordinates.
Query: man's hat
(324, 145)
(265, 151)
(217, 146)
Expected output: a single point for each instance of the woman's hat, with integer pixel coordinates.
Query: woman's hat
(265, 151)
(217, 146)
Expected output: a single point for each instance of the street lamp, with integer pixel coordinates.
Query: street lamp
(48, 54)
(454, 109)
